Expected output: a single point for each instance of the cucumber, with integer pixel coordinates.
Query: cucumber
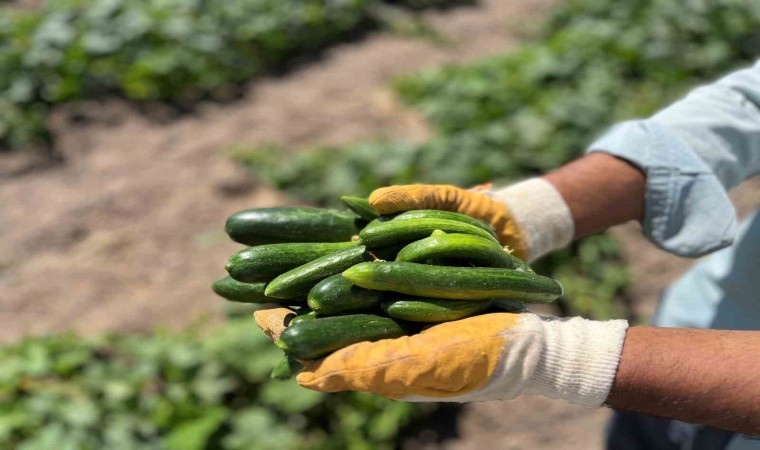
(456, 283)
(311, 339)
(474, 249)
(336, 295)
(392, 232)
(360, 207)
(432, 310)
(290, 224)
(445, 215)
(249, 293)
(236, 291)
(299, 281)
(266, 262)
(310, 315)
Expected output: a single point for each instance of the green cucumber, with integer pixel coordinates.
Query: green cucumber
(392, 232)
(456, 283)
(432, 310)
(336, 295)
(445, 215)
(360, 207)
(474, 249)
(311, 339)
(290, 224)
(310, 315)
(299, 281)
(266, 262)
(236, 291)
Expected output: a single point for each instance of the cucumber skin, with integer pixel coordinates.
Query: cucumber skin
(311, 315)
(391, 232)
(455, 283)
(432, 310)
(312, 339)
(446, 215)
(298, 281)
(482, 252)
(336, 295)
(290, 224)
(267, 262)
(360, 206)
(236, 291)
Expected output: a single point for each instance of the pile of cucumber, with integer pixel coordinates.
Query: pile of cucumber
(353, 276)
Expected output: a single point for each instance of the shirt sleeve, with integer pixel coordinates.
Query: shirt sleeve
(693, 152)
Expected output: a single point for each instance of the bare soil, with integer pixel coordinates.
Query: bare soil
(126, 234)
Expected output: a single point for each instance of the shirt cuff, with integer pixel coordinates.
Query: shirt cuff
(687, 210)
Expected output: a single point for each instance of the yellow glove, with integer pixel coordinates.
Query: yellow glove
(530, 217)
(489, 357)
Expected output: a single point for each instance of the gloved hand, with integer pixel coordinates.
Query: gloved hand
(530, 217)
(489, 357)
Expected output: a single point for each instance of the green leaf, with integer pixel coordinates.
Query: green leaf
(194, 434)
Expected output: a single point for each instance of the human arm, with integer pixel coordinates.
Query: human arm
(699, 376)
(670, 172)
(702, 376)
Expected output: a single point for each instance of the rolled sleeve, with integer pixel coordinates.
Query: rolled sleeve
(687, 209)
(693, 152)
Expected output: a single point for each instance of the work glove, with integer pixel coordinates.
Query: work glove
(488, 357)
(530, 217)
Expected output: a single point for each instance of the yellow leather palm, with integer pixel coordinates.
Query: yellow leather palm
(445, 360)
(394, 199)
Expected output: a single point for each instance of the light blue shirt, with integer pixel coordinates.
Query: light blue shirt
(693, 152)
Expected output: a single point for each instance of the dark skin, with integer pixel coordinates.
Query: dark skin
(698, 376)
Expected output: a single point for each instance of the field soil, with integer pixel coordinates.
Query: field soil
(126, 233)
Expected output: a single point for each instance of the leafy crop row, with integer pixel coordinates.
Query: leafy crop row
(529, 111)
(178, 391)
(178, 50)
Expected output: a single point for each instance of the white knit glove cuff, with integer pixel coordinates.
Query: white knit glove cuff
(541, 212)
(579, 360)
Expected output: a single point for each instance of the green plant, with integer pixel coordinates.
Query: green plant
(531, 110)
(166, 50)
(183, 391)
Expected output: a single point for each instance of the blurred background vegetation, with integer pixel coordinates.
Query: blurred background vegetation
(501, 119)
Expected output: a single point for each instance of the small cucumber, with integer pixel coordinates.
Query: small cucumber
(445, 215)
(336, 295)
(360, 207)
(266, 262)
(310, 315)
(474, 249)
(311, 339)
(299, 281)
(249, 292)
(392, 232)
(456, 283)
(290, 224)
(432, 310)
(236, 291)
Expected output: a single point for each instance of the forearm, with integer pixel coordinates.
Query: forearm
(601, 191)
(700, 376)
